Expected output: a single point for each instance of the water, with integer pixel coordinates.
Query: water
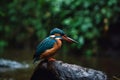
(110, 66)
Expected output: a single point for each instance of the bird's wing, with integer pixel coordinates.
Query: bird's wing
(43, 46)
(50, 52)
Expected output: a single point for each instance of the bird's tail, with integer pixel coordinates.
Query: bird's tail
(34, 61)
(35, 58)
(38, 60)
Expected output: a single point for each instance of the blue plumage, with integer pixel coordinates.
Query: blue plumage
(47, 43)
(56, 30)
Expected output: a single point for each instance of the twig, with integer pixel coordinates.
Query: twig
(116, 78)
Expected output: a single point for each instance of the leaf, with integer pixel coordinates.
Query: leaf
(3, 43)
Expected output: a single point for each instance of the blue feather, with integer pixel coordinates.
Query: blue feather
(47, 43)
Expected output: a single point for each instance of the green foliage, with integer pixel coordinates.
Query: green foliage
(3, 44)
(80, 19)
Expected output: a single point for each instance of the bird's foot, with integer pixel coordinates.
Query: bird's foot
(51, 59)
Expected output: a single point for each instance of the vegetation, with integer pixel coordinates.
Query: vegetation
(26, 22)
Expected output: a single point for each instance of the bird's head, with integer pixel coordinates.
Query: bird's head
(61, 33)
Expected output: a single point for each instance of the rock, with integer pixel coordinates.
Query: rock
(58, 70)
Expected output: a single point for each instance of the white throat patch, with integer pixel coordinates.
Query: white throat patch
(52, 36)
(57, 38)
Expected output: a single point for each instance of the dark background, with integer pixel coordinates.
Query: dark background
(94, 24)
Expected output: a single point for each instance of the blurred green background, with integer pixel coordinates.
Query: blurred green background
(93, 23)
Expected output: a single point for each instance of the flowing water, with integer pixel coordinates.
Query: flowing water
(17, 64)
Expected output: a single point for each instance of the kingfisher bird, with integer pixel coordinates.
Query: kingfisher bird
(47, 48)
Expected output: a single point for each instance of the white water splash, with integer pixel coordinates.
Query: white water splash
(11, 65)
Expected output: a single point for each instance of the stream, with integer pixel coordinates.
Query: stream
(17, 65)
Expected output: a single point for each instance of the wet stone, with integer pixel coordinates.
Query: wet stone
(58, 70)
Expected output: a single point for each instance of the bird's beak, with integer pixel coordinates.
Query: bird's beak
(68, 39)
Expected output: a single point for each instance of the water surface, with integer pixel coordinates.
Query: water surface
(110, 66)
